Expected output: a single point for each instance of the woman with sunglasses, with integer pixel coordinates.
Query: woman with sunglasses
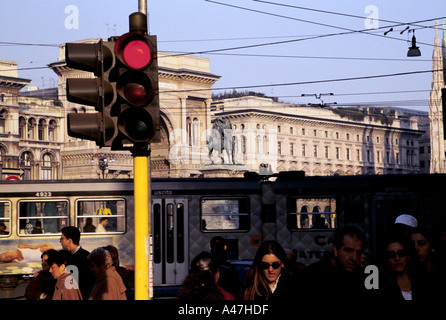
(396, 281)
(268, 279)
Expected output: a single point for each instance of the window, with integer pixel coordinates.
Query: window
(279, 148)
(91, 213)
(37, 217)
(5, 218)
(311, 213)
(292, 149)
(41, 130)
(46, 167)
(51, 130)
(326, 152)
(303, 150)
(315, 151)
(347, 154)
(224, 214)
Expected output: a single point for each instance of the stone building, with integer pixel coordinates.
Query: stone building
(321, 140)
(31, 123)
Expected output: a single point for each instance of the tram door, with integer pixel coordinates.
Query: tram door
(170, 242)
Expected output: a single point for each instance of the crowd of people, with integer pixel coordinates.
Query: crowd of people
(59, 278)
(410, 265)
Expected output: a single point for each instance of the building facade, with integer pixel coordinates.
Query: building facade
(321, 140)
(31, 136)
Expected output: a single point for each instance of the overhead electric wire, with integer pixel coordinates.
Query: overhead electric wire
(363, 31)
(309, 82)
(337, 13)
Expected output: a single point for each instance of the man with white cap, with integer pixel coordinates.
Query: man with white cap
(407, 220)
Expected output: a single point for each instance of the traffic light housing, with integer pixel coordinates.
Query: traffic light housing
(125, 92)
(97, 92)
(136, 78)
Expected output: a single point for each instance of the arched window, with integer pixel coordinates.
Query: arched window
(52, 130)
(31, 127)
(3, 116)
(46, 167)
(41, 130)
(189, 130)
(195, 132)
(22, 127)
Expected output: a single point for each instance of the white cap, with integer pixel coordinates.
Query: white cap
(408, 220)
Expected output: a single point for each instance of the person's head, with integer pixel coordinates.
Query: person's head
(218, 248)
(269, 261)
(58, 263)
(397, 251)
(204, 262)
(2, 226)
(89, 221)
(46, 257)
(348, 248)
(114, 255)
(423, 243)
(103, 221)
(100, 260)
(70, 238)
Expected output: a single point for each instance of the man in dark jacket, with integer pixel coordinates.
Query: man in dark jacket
(70, 240)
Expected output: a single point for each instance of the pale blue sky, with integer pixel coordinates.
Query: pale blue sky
(198, 25)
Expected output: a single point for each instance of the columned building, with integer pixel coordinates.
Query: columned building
(321, 140)
(31, 124)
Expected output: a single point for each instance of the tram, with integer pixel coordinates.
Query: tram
(300, 212)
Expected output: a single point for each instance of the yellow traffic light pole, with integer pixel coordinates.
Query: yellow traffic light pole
(143, 283)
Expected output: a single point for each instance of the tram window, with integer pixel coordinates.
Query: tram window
(5, 218)
(228, 214)
(101, 215)
(42, 217)
(311, 213)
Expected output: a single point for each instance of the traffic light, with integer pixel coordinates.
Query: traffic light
(125, 92)
(97, 92)
(136, 76)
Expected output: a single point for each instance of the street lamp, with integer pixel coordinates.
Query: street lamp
(414, 51)
(103, 162)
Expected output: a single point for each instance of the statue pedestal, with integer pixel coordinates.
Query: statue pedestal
(223, 170)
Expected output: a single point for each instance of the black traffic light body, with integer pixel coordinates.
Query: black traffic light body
(135, 75)
(125, 91)
(97, 92)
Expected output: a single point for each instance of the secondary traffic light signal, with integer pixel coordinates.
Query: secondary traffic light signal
(98, 92)
(125, 92)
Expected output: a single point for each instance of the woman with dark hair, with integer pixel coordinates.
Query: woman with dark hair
(201, 283)
(396, 280)
(268, 279)
(67, 287)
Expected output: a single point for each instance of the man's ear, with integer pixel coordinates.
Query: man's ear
(335, 251)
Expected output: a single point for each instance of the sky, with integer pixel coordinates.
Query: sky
(282, 48)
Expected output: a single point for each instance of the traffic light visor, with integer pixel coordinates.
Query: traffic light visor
(134, 50)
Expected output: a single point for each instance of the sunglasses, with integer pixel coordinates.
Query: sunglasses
(266, 265)
(400, 253)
